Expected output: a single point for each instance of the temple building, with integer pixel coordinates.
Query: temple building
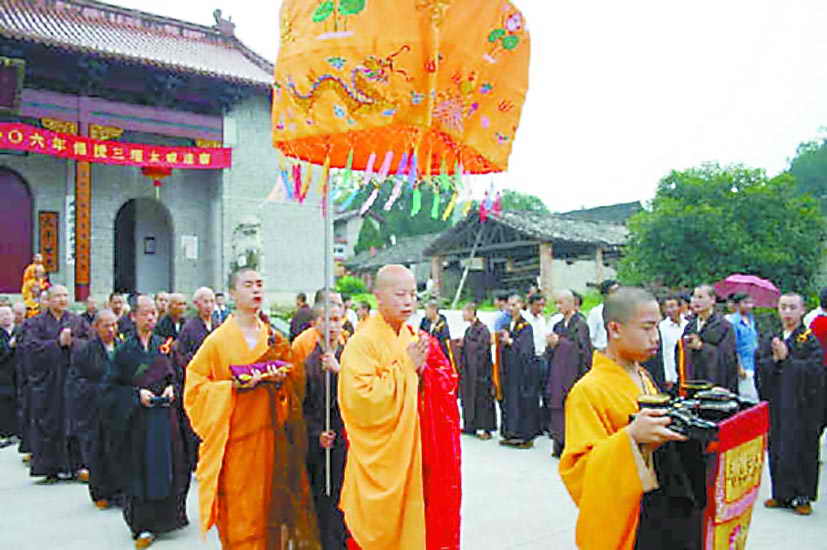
(135, 154)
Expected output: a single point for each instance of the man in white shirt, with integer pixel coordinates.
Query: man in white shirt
(535, 317)
(671, 329)
(808, 319)
(597, 330)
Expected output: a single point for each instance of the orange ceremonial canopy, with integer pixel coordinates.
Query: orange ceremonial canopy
(441, 81)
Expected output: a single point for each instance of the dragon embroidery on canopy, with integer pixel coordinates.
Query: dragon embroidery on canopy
(368, 89)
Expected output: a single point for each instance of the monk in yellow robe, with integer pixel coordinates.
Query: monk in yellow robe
(382, 369)
(29, 272)
(606, 465)
(251, 470)
(32, 289)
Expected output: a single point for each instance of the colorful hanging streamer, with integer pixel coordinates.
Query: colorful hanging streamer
(417, 201)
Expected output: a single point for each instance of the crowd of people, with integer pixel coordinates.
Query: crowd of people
(329, 435)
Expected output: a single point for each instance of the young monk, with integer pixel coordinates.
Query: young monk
(251, 472)
(791, 379)
(606, 464)
(317, 366)
(397, 395)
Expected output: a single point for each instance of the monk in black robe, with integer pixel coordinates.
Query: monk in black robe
(8, 391)
(170, 325)
(22, 389)
(90, 364)
(332, 530)
(520, 375)
(303, 317)
(50, 338)
(117, 304)
(435, 324)
(708, 345)
(476, 370)
(569, 355)
(189, 340)
(790, 376)
(138, 407)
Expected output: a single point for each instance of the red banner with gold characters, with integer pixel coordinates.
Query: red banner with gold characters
(22, 137)
(738, 465)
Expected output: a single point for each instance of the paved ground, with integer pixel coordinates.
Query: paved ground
(513, 500)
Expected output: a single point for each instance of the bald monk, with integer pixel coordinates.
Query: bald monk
(569, 352)
(32, 289)
(30, 271)
(304, 344)
(397, 396)
(170, 325)
(50, 338)
(251, 467)
(606, 464)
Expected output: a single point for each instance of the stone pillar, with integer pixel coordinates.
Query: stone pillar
(546, 276)
(598, 261)
(436, 275)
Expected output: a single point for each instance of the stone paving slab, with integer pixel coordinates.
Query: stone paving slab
(513, 500)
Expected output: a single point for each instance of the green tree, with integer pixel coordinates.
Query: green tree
(708, 222)
(809, 166)
(514, 200)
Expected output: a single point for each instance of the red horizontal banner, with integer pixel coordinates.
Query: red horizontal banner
(22, 137)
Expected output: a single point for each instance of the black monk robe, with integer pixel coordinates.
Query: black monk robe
(716, 361)
(189, 340)
(520, 378)
(47, 367)
(90, 364)
(8, 386)
(476, 386)
(148, 441)
(568, 362)
(439, 330)
(22, 388)
(331, 520)
(795, 391)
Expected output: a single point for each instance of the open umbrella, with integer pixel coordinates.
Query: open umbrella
(762, 291)
(401, 91)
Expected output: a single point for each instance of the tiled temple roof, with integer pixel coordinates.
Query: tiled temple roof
(134, 36)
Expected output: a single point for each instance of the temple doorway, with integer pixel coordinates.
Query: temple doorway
(16, 229)
(143, 247)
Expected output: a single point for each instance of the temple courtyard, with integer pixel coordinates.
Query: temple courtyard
(513, 500)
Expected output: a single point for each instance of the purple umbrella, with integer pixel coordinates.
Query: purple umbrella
(762, 291)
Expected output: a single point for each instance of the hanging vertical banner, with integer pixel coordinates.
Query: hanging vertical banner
(49, 239)
(83, 229)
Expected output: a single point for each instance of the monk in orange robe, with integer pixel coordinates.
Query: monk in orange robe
(29, 272)
(607, 462)
(388, 370)
(32, 289)
(251, 470)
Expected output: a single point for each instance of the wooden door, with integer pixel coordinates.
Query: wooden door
(16, 229)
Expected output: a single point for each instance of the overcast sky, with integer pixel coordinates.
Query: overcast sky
(623, 92)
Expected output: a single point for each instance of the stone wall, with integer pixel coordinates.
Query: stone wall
(292, 234)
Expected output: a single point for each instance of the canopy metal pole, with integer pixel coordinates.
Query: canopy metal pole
(326, 347)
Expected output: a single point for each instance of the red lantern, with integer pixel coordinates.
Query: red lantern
(156, 174)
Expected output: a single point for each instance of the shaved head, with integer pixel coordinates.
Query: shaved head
(565, 302)
(623, 304)
(56, 289)
(104, 315)
(392, 275)
(631, 316)
(395, 291)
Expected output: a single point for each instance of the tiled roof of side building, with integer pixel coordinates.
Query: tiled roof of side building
(134, 36)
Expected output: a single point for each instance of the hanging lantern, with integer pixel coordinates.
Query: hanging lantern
(156, 174)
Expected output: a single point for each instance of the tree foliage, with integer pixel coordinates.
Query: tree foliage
(709, 222)
(809, 166)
